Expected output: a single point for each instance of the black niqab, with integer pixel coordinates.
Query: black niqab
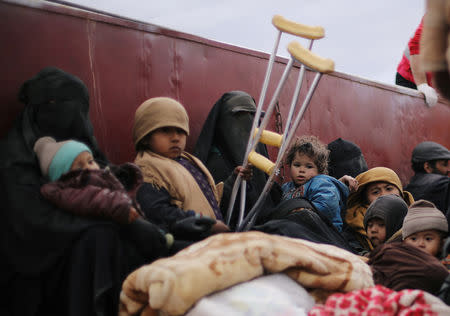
(222, 143)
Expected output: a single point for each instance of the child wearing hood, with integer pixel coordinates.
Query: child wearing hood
(373, 183)
(308, 165)
(177, 185)
(384, 219)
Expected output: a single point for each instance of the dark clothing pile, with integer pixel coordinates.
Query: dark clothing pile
(55, 262)
(298, 218)
(400, 266)
(431, 187)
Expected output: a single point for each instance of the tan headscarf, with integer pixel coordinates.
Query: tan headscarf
(357, 202)
(156, 113)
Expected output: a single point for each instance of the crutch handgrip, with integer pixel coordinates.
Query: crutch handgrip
(261, 162)
(309, 59)
(294, 28)
(269, 138)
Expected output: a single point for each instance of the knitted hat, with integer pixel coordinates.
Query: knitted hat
(423, 215)
(56, 158)
(156, 113)
(427, 151)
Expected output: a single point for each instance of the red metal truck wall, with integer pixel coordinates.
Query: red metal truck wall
(123, 63)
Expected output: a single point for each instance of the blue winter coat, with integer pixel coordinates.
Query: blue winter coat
(326, 193)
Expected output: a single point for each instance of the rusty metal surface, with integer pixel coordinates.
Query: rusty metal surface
(125, 62)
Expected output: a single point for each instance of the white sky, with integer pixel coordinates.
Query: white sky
(364, 38)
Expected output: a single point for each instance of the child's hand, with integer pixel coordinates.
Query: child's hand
(219, 227)
(245, 173)
(351, 182)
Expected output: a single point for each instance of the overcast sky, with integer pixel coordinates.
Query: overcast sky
(364, 38)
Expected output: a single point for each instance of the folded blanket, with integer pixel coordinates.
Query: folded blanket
(173, 285)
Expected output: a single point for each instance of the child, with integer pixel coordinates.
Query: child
(176, 184)
(79, 186)
(308, 162)
(425, 227)
(384, 218)
(373, 183)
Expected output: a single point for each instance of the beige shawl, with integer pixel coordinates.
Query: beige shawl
(178, 181)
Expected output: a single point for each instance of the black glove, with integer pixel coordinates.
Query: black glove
(192, 228)
(147, 238)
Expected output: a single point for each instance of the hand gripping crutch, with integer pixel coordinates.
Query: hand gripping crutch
(283, 25)
(316, 63)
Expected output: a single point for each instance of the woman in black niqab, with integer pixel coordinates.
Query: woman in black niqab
(54, 262)
(222, 143)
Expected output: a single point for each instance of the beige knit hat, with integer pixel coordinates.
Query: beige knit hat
(156, 113)
(423, 215)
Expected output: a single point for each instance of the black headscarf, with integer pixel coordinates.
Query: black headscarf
(51, 94)
(346, 158)
(223, 139)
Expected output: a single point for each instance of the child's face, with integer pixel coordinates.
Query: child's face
(428, 240)
(302, 169)
(376, 231)
(84, 161)
(377, 189)
(168, 141)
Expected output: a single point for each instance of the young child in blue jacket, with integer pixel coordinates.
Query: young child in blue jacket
(308, 167)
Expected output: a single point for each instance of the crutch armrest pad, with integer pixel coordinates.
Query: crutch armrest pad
(294, 28)
(309, 59)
